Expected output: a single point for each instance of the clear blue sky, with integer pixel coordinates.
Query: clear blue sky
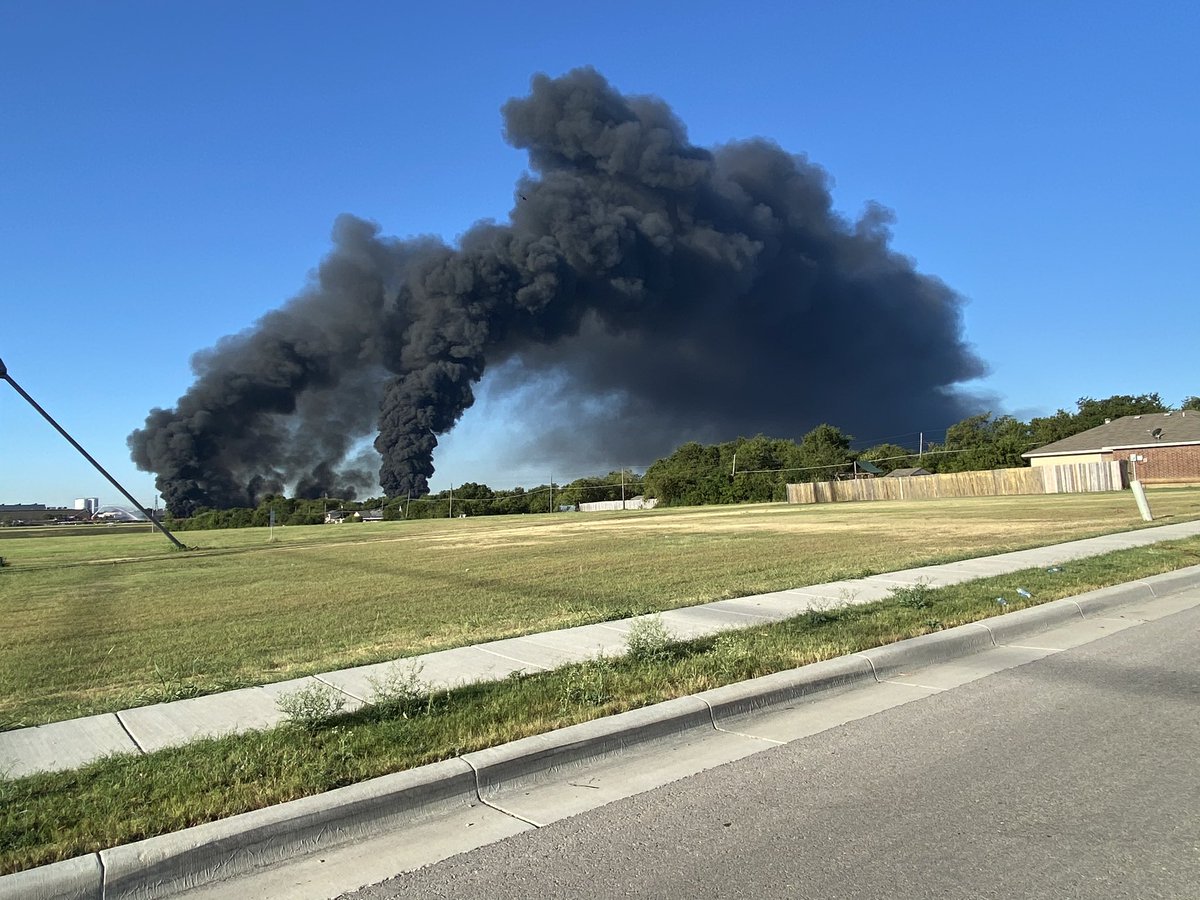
(171, 172)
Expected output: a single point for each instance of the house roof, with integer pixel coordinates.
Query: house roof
(869, 467)
(905, 473)
(1128, 432)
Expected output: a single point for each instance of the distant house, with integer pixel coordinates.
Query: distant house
(907, 473)
(371, 515)
(336, 516)
(1156, 448)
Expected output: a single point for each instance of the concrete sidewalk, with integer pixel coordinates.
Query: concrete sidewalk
(75, 742)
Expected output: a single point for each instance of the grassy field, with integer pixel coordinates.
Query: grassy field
(121, 799)
(97, 621)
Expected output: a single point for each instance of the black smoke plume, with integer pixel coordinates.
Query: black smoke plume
(693, 293)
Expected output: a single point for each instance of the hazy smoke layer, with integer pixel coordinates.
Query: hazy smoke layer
(705, 293)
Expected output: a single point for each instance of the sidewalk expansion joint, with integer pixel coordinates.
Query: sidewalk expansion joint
(734, 612)
(125, 728)
(340, 690)
(523, 662)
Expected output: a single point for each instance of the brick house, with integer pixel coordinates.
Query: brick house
(1155, 448)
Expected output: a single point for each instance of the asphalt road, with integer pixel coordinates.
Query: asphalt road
(1075, 776)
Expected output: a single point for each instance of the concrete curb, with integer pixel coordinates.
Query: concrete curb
(1021, 623)
(539, 757)
(169, 864)
(919, 652)
(828, 677)
(1099, 601)
(80, 878)
(166, 865)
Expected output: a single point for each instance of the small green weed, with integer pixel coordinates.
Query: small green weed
(313, 706)
(587, 684)
(400, 692)
(732, 655)
(918, 596)
(649, 640)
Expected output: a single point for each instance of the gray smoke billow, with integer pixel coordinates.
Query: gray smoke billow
(702, 293)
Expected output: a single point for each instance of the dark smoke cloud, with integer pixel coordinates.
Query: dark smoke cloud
(700, 293)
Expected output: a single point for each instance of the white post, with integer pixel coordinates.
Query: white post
(1139, 494)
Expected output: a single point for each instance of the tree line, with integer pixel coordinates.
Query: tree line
(744, 470)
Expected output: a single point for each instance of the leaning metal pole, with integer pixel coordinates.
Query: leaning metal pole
(74, 443)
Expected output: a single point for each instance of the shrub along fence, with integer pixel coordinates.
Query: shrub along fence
(1077, 478)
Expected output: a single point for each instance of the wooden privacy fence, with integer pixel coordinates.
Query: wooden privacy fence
(1077, 478)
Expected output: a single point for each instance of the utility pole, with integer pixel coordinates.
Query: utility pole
(99, 468)
(920, 445)
(622, 488)
(451, 515)
(551, 509)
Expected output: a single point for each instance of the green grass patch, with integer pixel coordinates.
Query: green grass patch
(55, 816)
(98, 621)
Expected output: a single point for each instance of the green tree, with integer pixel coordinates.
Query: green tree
(761, 469)
(889, 457)
(981, 442)
(1094, 412)
(1048, 429)
(590, 489)
(1089, 414)
(823, 453)
(1192, 402)
(691, 476)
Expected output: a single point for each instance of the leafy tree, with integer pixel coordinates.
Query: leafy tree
(691, 476)
(471, 491)
(1094, 412)
(981, 442)
(1048, 429)
(513, 502)
(823, 453)
(1192, 402)
(589, 490)
(1090, 413)
(889, 457)
(759, 468)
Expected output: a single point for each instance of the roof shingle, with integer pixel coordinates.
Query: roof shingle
(1129, 431)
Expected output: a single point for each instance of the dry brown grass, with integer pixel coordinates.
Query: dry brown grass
(101, 622)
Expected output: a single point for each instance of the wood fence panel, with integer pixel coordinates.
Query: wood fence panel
(1076, 478)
